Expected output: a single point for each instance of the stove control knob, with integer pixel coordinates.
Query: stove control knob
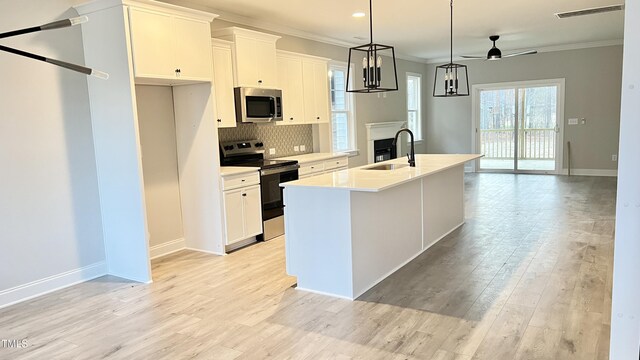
(259, 144)
(228, 147)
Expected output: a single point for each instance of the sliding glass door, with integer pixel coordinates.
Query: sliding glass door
(518, 126)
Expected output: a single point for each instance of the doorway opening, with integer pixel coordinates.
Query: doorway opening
(518, 126)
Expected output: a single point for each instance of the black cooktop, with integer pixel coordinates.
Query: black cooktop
(265, 164)
(248, 153)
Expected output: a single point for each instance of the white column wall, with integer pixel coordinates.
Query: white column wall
(625, 319)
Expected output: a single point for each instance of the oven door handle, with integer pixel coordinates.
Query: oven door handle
(279, 170)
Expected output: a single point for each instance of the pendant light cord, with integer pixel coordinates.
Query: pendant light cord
(451, 40)
(371, 20)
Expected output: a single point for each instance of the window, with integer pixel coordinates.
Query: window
(414, 107)
(342, 110)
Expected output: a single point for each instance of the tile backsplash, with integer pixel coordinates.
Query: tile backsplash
(282, 138)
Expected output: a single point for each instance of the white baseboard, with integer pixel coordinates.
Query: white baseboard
(206, 251)
(167, 248)
(52, 283)
(324, 293)
(240, 244)
(590, 172)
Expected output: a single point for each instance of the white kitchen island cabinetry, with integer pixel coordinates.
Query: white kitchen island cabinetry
(169, 49)
(223, 83)
(348, 230)
(254, 56)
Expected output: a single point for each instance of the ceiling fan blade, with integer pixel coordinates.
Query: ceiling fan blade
(528, 52)
(472, 57)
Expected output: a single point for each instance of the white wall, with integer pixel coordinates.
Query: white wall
(592, 91)
(49, 209)
(159, 164)
(625, 316)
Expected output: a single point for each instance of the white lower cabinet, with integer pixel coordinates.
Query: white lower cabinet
(323, 167)
(242, 207)
(243, 213)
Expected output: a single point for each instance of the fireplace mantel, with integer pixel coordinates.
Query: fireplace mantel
(379, 131)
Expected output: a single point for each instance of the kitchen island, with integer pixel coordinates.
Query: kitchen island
(348, 230)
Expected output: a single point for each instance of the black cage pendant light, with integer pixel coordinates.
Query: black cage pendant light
(451, 79)
(378, 65)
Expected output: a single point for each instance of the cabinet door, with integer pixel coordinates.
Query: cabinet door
(151, 34)
(223, 87)
(290, 81)
(266, 61)
(192, 46)
(321, 82)
(247, 68)
(309, 93)
(252, 205)
(233, 216)
(316, 91)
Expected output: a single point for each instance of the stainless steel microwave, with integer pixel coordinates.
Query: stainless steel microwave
(258, 105)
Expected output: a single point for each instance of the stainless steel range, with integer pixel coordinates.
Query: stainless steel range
(272, 174)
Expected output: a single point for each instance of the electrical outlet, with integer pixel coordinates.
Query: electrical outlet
(272, 151)
(573, 121)
(614, 157)
(583, 121)
(296, 148)
(303, 148)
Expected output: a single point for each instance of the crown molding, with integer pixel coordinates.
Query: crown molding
(544, 49)
(285, 30)
(92, 6)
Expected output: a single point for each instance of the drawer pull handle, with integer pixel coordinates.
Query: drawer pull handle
(244, 194)
(243, 180)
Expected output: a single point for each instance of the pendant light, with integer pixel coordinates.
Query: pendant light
(378, 65)
(451, 79)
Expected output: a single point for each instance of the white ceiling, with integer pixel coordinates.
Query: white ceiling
(421, 28)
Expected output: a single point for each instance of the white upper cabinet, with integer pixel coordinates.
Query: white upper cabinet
(169, 49)
(254, 56)
(304, 81)
(223, 83)
(290, 82)
(316, 91)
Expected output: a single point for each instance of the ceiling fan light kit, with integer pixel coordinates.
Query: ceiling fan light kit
(451, 80)
(379, 72)
(495, 53)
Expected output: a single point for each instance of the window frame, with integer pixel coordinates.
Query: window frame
(417, 133)
(350, 106)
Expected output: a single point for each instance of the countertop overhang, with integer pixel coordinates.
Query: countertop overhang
(362, 179)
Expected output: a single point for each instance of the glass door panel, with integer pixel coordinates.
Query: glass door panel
(497, 129)
(537, 128)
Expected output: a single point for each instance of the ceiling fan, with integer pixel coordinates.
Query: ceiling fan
(495, 53)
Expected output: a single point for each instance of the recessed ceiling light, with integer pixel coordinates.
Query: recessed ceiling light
(358, 14)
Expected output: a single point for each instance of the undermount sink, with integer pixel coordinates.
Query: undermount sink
(387, 167)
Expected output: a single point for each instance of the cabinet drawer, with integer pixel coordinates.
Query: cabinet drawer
(236, 181)
(336, 163)
(311, 168)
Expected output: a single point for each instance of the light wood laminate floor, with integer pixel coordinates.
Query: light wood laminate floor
(527, 277)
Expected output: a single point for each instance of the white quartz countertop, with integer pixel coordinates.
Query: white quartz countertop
(361, 179)
(306, 158)
(237, 170)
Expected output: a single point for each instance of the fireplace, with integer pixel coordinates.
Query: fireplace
(383, 149)
(379, 139)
